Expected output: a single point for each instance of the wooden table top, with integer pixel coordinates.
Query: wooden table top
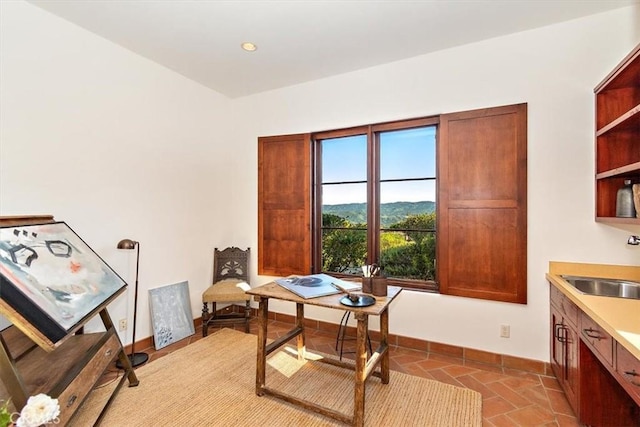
(273, 290)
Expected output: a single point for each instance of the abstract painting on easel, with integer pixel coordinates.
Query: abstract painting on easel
(51, 277)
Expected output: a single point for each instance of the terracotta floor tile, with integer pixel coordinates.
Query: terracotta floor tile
(417, 371)
(483, 366)
(428, 364)
(559, 403)
(442, 376)
(444, 358)
(502, 421)
(519, 383)
(567, 421)
(536, 395)
(508, 394)
(408, 358)
(531, 415)
(550, 383)
(458, 370)
(470, 382)
(511, 398)
(496, 405)
(487, 377)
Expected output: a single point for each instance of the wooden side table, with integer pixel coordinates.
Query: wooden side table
(364, 366)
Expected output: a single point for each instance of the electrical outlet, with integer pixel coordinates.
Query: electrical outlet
(122, 325)
(505, 331)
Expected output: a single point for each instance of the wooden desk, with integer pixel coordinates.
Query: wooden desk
(364, 367)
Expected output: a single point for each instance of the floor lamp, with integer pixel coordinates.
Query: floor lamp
(136, 359)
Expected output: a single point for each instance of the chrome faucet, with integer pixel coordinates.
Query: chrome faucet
(633, 240)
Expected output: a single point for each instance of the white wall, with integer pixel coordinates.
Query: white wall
(554, 69)
(143, 153)
(116, 146)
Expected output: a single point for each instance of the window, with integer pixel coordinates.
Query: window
(323, 202)
(376, 201)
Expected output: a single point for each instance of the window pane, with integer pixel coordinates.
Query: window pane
(343, 250)
(408, 191)
(346, 198)
(344, 222)
(408, 153)
(408, 255)
(344, 159)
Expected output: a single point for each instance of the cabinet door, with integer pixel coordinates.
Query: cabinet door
(572, 343)
(557, 346)
(564, 355)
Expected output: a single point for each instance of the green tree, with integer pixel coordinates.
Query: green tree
(416, 258)
(407, 253)
(344, 245)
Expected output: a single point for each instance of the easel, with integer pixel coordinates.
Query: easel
(69, 369)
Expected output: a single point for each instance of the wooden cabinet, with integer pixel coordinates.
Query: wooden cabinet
(603, 401)
(600, 378)
(564, 344)
(617, 136)
(598, 339)
(628, 369)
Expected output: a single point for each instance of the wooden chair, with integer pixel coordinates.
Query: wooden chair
(230, 281)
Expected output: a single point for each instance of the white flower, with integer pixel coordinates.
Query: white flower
(40, 409)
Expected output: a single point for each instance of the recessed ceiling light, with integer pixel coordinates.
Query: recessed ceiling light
(249, 47)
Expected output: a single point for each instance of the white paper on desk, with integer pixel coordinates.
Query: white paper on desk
(316, 285)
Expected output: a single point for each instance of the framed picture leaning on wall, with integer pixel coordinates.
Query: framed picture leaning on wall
(52, 278)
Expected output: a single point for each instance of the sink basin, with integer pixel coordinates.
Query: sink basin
(605, 287)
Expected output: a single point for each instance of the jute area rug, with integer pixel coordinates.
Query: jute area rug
(212, 383)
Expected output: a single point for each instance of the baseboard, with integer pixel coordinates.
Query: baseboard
(468, 355)
(500, 361)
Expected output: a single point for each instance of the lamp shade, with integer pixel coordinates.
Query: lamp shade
(126, 244)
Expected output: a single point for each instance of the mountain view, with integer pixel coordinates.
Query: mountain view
(391, 213)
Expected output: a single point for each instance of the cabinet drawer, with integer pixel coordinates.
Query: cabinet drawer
(598, 339)
(72, 396)
(629, 369)
(566, 307)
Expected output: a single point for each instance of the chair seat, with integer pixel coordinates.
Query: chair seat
(227, 290)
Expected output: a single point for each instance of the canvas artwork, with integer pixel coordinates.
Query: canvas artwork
(171, 314)
(316, 285)
(52, 278)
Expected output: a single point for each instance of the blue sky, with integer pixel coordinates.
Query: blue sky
(403, 154)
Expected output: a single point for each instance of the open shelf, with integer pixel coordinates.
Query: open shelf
(629, 171)
(627, 121)
(617, 136)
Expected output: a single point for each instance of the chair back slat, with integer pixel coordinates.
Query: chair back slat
(231, 263)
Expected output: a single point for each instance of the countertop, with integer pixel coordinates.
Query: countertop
(620, 317)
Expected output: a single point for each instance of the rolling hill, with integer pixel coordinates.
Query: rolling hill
(390, 212)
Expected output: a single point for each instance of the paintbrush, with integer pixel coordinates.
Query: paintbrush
(352, 297)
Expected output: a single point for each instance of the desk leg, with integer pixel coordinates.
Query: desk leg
(384, 341)
(261, 361)
(300, 323)
(361, 363)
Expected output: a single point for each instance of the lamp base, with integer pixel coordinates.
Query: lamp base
(136, 359)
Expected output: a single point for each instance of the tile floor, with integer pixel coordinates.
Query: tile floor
(510, 397)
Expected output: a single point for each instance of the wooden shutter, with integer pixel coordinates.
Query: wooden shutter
(482, 204)
(284, 205)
